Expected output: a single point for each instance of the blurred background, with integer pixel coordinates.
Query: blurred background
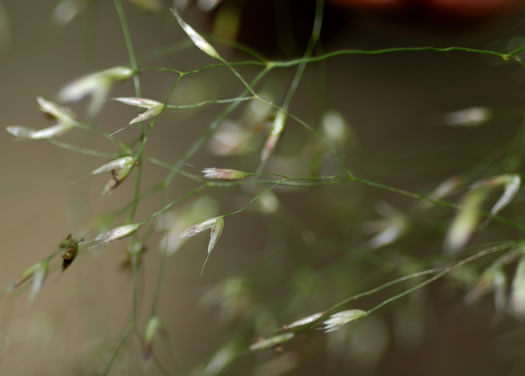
(292, 252)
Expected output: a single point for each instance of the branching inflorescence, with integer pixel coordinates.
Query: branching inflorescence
(394, 226)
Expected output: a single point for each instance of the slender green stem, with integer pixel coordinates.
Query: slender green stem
(90, 30)
(290, 63)
(438, 273)
(81, 150)
(159, 365)
(254, 198)
(209, 132)
(384, 286)
(210, 101)
(138, 180)
(445, 271)
(136, 82)
(315, 133)
(168, 206)
(129, 45)
(134, 294)
(329, 55)
(316, 32)
(324, 180)
(420, 197)
(121, 344)
(144, 139)
(224, 64)
(239, 76)
(162, 264)
(241, 47)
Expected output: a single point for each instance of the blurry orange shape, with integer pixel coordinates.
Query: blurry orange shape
(472, 7)
(453, 7)
(369, 3)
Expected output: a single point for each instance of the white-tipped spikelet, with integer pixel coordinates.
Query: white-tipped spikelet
(45, 133)
(153, 108)
(64, 117)
(468, 215)
(465, 221)
(61, 114)
(215, 233)
(517, 297)
(117, 233)
(223, 174)
(119, 168)
(173, 223)
(195, 37)
(499, 284)
(337, 320)
(39, 276)
(444, 189)
(511, 185)
(138, 102)
(124, 162)
(275, 134)
(388, 229)
(96, 85)
(493, 279)
(305, 321)
(198, 228)
(468, 117)
(270, 342)
(334, 128)
(37, 273)
(152, 327)
(215, 224)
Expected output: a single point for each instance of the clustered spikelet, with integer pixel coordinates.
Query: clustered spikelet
(196, 38)
(117, 233)
(223, 174)
(215, 225)
(95, 85)
(469, 212)
(64, 118)
(119, 168)
(339, 319)
(153, 108)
